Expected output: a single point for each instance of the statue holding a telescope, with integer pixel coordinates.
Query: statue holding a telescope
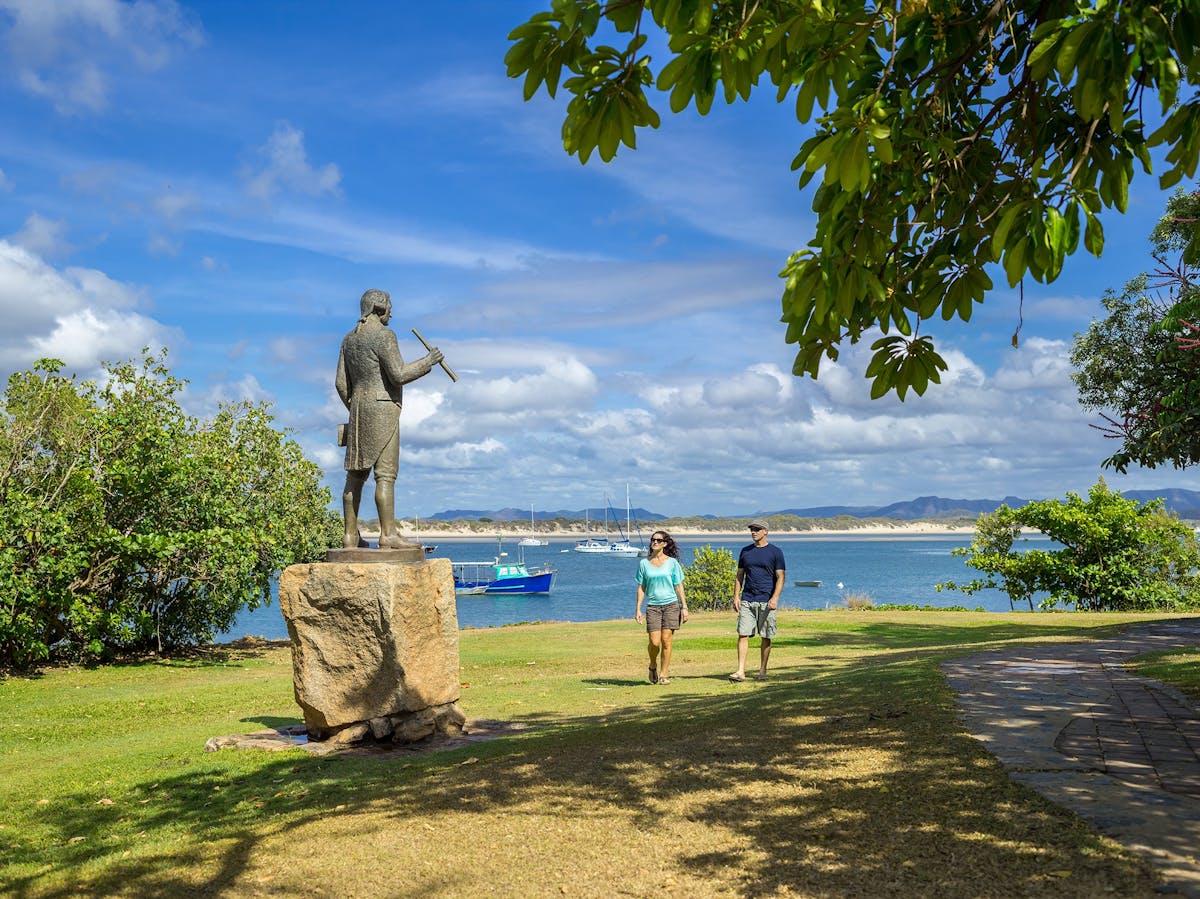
(371, 375)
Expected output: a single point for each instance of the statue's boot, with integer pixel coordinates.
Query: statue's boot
(392, 541)
(354, 541)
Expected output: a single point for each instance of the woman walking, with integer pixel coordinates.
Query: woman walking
(660, 586)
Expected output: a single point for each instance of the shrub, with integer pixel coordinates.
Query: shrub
(127, 525)
(708, 582)
(857, 602)
(1116, 555)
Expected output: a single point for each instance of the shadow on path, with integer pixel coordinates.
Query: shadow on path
(1122, 751)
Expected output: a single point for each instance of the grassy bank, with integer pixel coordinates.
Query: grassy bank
(846, 773)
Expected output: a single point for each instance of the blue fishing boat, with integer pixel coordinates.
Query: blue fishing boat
(502, 576)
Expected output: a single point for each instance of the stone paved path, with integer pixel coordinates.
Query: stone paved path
(1123, 752)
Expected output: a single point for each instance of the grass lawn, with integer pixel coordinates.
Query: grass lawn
(845, 774)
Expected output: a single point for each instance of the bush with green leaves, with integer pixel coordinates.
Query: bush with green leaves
(126, 525)
(1114, 555)
(708, 581)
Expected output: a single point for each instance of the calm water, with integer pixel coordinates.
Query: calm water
(595, 588)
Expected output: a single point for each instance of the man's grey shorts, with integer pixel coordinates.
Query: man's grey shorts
(755, 616)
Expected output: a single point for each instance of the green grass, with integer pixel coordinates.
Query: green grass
(846, 773)
(1180, 668)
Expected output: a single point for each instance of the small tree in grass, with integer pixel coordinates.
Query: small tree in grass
(1115, 555)
(708, 581)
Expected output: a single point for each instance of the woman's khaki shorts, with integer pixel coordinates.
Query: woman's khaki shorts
(663, 618)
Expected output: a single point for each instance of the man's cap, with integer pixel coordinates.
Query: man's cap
(758, 525)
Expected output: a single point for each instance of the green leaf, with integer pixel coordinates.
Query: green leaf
(1070, 46)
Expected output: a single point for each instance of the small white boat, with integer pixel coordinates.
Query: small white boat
(808, 583)
(624, 548)
(531, 540)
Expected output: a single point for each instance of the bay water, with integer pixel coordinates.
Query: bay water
(594, 587)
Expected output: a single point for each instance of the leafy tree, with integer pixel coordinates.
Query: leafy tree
(708, 581)
(948, 135)
(1116, 555)
(126, 524)
(1140, 366)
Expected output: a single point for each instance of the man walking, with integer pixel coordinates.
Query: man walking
(759, 581)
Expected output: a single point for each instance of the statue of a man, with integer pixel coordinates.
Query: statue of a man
(370, 378)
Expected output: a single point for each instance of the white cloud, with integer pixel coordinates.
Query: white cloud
(90, 178)
(42, 236)
(563, 382)
(172, 204)
(86, 337)
(331, 458)
(6, 184)
(286, 167)
(1037, 363)
(68, 51)
(560, 294)
(367, 239)
(457, 457)
(78, 315)
(159, 245)
(762, 387)
(245, 388)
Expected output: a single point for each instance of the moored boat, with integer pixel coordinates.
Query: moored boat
(502, 576)
(532, 540)
(603, 546)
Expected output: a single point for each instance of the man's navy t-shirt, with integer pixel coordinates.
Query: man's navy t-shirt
(760, 564)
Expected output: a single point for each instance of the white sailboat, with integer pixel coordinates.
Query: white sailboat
(623, 547)
(531, 540)
(590, 544)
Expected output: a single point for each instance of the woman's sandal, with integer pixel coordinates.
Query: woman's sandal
(737, 678)
(664, 680)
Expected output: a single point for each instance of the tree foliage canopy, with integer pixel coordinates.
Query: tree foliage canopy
(949, 134)
(1115, 555)
(1140, 365)
(126, 524)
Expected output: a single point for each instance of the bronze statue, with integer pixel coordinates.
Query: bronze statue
(370, 378)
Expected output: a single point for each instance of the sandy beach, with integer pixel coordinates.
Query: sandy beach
(515, 530)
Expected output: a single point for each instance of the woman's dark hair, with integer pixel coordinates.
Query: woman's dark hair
(669, 548)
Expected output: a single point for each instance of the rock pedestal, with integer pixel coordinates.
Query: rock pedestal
(374, 649)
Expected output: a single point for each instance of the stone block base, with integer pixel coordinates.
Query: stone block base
(410, 727)
(374, 649)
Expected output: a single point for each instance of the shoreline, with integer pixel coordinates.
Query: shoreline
(913, 529)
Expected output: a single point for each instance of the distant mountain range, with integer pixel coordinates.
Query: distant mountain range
(523, 514)
(1184, 503)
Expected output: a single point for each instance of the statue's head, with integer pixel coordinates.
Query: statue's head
(375, 301)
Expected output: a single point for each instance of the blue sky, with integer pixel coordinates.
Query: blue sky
(226, 178)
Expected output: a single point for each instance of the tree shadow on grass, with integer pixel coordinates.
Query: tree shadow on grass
(617, 682)
(846, 779)
(273, 721)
